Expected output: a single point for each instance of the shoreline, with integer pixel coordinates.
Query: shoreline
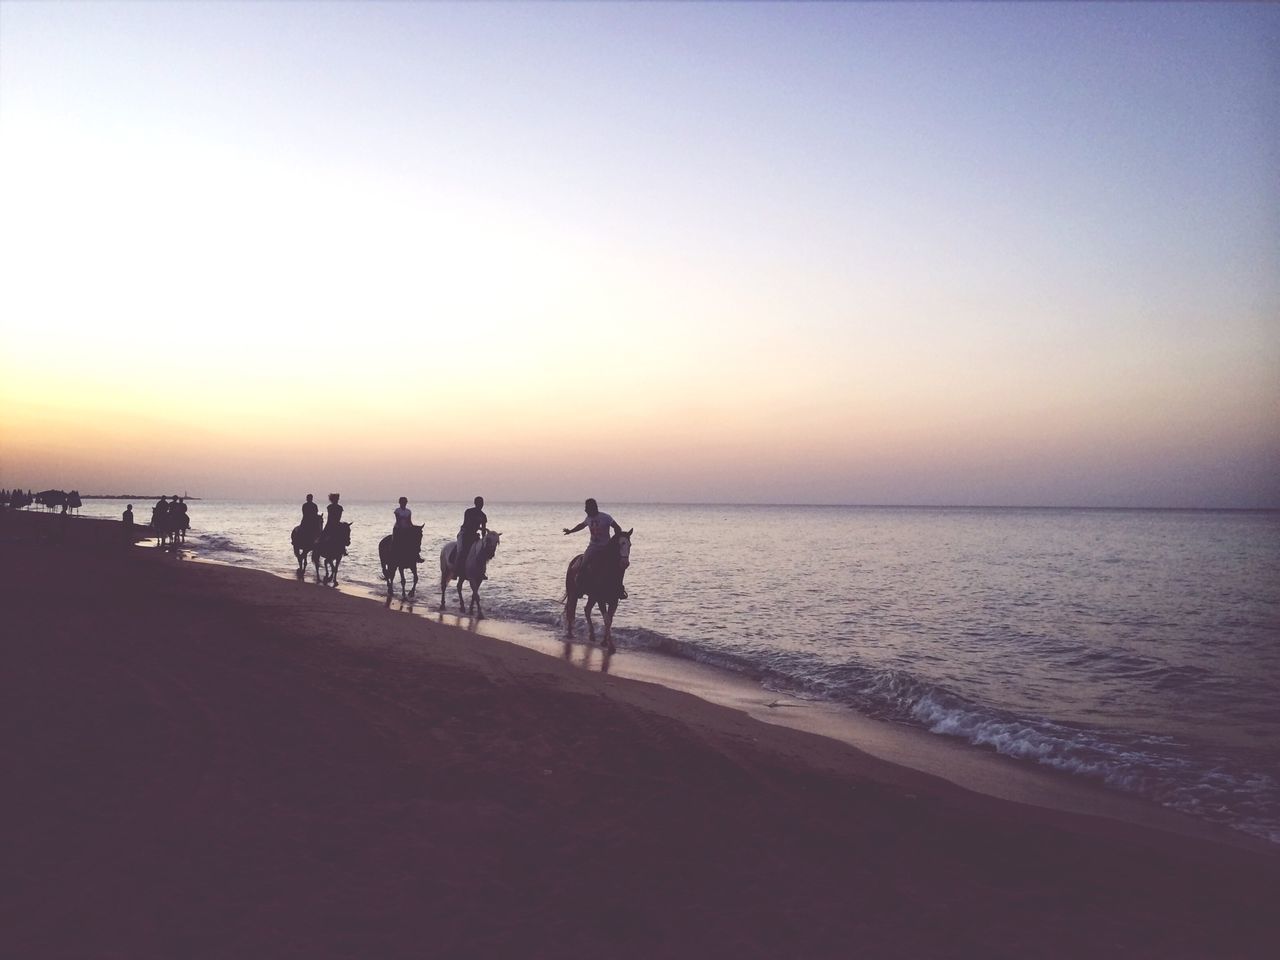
(956, 761)
(963, 764)
(214, 761)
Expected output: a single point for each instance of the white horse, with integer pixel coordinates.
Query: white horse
(478, 558)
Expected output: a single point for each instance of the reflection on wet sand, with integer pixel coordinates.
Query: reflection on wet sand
(586, 661)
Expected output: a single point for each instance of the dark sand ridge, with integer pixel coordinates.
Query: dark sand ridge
(210, 762)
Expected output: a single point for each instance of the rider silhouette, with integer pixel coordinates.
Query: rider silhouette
(310, 516)
(333, 516)
(403, 526)
(600, 523)
(474, 525)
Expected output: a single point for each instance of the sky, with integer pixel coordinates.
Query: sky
(988, 254)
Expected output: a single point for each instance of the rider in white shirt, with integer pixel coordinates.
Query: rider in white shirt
(599, 523)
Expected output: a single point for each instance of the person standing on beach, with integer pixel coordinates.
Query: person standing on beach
(599, 523)
(127, 519)
(403, 526)
(474, 525)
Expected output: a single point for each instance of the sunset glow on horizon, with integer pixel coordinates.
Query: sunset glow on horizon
(800, 253)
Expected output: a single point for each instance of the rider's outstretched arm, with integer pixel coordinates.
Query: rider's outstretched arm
(568, 530)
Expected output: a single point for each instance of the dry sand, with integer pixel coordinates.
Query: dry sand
(212, 762)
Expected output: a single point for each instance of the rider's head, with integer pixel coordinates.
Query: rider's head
(590, 507)
(309, 496)
(333, 498)
(403, 501)
(479, 501)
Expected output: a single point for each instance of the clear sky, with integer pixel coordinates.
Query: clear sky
(804, 253)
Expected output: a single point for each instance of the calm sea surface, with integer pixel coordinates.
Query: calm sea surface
(1140, 649)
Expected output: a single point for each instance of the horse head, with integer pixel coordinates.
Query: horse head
(489, 546)
(622, 541)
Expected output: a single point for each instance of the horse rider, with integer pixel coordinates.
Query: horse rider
(161, 509)
(333, 516)
(311, 517)
(599, 523)
(403, 526)
(474, 525)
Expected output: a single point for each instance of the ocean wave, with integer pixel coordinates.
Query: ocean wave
(215, 543)
(1159, 768)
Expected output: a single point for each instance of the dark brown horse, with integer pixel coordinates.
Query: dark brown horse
(304, 539)
(331, 548)
(602, 586)
(401, 556)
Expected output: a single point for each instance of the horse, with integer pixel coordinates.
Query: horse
(165, 527)
(331, 549)
(478, 558)
(304, 541)
(604, 587)
(404, 558)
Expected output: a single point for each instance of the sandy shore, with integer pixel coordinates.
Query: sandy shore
(211, 762)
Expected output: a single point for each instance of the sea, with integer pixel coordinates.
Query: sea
(1138, 649)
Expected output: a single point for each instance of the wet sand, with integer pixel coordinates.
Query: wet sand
(213, 762)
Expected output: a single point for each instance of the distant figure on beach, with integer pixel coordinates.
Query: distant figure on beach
(333, 521)
(599, 523)
(160, 510)
(311, 523)
(403, 527)
(474, 525)
(127, 518)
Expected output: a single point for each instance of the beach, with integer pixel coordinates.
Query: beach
(217, 762)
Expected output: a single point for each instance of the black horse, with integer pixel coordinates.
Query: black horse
(602, 586)
(331, 548)
(401, 556)
(304, 539)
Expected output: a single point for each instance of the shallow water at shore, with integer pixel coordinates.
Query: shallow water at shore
(1136, 649)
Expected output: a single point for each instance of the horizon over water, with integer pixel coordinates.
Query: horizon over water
(1138, 648)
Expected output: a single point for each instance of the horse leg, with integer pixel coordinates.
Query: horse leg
(586, 612)
(608, 610)
(475, 600)
(462, 604)
(414, 588)
(570, 614)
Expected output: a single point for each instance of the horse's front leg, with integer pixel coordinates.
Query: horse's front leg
(586, 612)
(414, 588)
(607, 610)
(570, 614)
(462, 604)
(475, 600)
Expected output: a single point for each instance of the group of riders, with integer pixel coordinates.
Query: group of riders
(168, 518)
(475, 525)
